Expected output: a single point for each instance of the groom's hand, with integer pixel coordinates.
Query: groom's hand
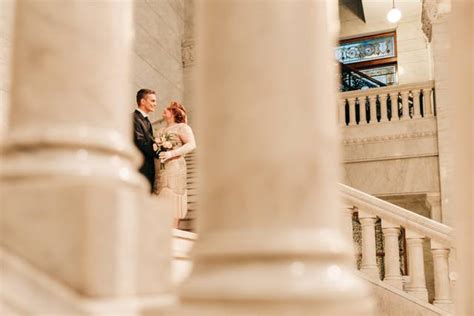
(155, 147)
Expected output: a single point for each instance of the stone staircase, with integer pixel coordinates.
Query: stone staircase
(404, 257)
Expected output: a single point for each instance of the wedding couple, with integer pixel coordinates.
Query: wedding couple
(164, 165)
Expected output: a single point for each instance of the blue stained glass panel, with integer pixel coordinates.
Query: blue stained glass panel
(365, 50)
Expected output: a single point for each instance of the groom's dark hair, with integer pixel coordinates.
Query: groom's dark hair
(142, 93)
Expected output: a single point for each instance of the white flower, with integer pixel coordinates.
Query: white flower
(167, 145)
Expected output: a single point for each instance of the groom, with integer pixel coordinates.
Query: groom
(143, 132)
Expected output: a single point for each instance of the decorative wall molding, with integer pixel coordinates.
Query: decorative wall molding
(432, 12)
(187, 52)
(385, 138)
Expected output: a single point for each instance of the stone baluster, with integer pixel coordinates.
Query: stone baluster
(373, 108)
(442, 296)
(405, 105)
(394, 106)
(244, 263)
(72, 200)
(391, 233)
(383, 108)
(427, 104)
(362, 111)
(369, 255)
(416, 266)
(352, 111)
(342, 112)
(416, 103)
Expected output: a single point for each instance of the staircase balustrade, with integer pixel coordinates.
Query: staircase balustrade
(394, 219)
(378, 105)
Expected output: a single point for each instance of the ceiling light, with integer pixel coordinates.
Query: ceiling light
(394, 15)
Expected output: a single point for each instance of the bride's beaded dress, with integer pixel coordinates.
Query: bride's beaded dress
(170, 179)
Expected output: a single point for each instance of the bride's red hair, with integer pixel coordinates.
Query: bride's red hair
(179, 112)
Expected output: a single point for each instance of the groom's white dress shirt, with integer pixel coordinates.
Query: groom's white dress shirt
(143, 113)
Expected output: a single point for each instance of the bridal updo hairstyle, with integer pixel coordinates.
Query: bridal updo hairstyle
(179, 112)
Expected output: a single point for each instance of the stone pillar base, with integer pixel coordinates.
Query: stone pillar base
(420, 293)
(395, 282)
(372, 271)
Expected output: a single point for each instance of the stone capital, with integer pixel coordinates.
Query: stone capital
(433, 11)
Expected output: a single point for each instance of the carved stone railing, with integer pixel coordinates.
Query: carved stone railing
(369, 211)
(378, 105)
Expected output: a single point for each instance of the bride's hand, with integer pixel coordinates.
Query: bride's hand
(165, 155)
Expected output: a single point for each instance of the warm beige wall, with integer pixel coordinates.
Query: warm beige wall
(157, 61)
(413, 50)
(6, 37)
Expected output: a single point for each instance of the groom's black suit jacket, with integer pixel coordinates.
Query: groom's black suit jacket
(144, 140)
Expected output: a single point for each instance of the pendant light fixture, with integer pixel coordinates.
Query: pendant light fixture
(394, 15)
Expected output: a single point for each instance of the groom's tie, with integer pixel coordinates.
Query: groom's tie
(148, 123)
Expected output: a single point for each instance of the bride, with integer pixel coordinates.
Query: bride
(170, 180)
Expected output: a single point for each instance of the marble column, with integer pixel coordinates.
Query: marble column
(73, 204)
(369, 254)
(442, 297)
(442, 51)
(391, 234)
(6, 35)
(416, 266)
(461, 98)
(270, 230)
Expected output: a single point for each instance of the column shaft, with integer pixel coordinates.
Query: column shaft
(392, 256)
(74, 205)
(416, 269)
(267, 238)
(441, 279)
(369, 254)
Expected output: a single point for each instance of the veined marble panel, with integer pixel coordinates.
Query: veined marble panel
(395, 176)
(390, 140)
(157, 28)
(157, 60)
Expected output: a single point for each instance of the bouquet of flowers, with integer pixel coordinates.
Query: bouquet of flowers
(162, 144)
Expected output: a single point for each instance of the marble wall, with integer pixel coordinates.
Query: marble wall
(399, 157)
(157, 60)
(414, 59)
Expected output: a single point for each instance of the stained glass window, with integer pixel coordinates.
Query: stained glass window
(366, 49)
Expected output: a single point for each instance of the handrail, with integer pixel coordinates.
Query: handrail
(359, 73)
(397, 215)
(388, 89)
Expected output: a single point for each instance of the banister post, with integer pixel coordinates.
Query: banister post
(369, 256)
(416, 266)
(442, 297)
(391, 233)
